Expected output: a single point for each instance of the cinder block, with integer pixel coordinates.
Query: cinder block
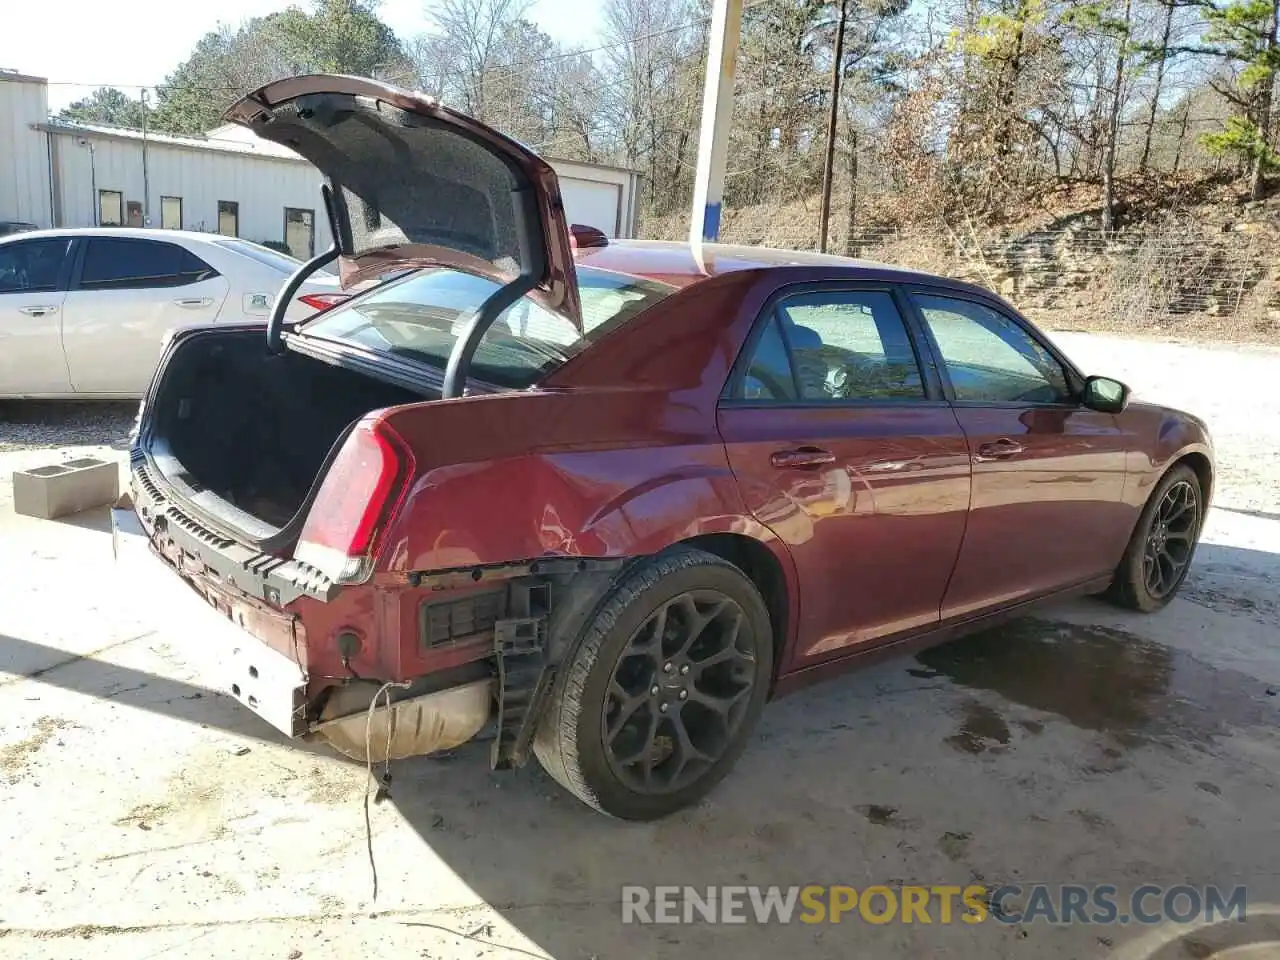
(63, 488)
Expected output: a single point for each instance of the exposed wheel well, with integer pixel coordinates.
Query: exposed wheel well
(762, 568)
(1204, 472)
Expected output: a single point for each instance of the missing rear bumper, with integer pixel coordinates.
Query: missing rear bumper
(230, 658)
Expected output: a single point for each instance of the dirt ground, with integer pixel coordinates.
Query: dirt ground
(144, 815)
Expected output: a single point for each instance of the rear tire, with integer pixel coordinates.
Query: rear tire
(656, 702)
(1163, 544)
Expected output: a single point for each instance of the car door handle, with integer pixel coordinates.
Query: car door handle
(191, 302)
(39, 311)
(1001, 449)
(802, 457)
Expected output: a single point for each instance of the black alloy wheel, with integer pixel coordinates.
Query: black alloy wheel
(656, 698)
(1163, 543)
(1171, 539)
(679, 692)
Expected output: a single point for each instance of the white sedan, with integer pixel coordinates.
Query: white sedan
(83, 312)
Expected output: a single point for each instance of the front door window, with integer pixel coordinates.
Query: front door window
(31, 266)
(988, 357)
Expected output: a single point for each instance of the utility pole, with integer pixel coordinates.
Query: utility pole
(146, 179)
(837, 65)
(717, 114)
(95, 203)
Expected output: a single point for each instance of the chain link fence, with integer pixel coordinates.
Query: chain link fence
(1179, 275)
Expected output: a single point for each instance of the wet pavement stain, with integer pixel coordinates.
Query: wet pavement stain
(1197, 949)
(981, 729)
(1096, 822)
(1107, 761)
(878, 814)
(954, 845)
(1106, 680)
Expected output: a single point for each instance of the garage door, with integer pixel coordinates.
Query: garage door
(592, 204)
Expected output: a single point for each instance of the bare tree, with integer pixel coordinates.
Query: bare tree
(1161, 57)
(652, 66)
(1121, 30)
(458, 57)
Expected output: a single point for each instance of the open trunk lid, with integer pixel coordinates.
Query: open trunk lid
(411, 184)
(414, 184)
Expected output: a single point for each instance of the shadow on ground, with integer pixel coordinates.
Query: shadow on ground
(98, 518)
(885, 776)
(1260, 514)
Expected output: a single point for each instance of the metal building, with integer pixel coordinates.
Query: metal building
(55, 173)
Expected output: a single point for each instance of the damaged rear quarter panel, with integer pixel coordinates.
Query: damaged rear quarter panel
(586, 474)
(583, 467)
(383, 616)
(615, 502)
(617, 455)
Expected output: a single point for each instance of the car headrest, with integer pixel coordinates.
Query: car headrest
(804, 338)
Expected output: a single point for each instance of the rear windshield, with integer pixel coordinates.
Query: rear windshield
(421, 317)
(264, 255)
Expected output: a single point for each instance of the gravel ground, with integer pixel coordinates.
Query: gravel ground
(1233, 388)
(40, 426)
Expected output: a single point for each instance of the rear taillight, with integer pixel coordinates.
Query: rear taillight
(358, 497)
(323, 301)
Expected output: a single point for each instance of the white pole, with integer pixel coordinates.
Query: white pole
(717, 114)
(146, 179)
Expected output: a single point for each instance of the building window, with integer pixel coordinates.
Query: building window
(171, 213)
(135, 213)
(110, 208)
(300, 232)
(229, 218)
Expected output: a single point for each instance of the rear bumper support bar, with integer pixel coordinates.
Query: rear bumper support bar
(265, 577)
(231, 660)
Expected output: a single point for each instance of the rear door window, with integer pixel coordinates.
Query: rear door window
(842, 345)
(128, 264)
(422, 316)
(769, 375)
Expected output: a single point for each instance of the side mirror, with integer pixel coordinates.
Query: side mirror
(1104, 394)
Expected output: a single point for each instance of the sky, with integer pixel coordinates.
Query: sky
(80, 45)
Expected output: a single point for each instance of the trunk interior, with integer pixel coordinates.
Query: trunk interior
(243, 434)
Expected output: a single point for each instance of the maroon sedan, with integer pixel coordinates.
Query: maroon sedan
(612, 496)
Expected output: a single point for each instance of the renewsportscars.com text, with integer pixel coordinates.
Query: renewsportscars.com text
(938, 903)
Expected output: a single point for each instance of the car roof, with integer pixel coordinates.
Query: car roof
(146, 233)
(681, 264)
